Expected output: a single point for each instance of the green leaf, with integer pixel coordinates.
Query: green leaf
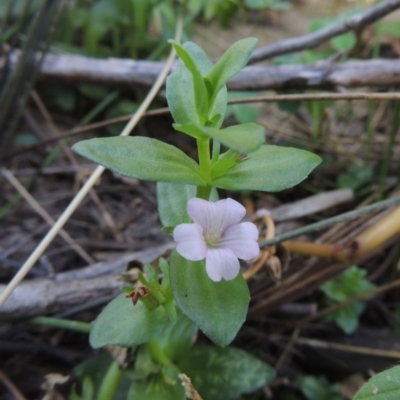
(269, 169)
(383, 386)
(346, 318)
(217, 308)
(126, 325)
(350, 283)
(95, 92)
(245, 114)
(95, 369)
(25, 139)
(172, 199)
(225, 162)
(221, 167)
(176, 339)
(180, 90)
(344, 42)
(258, 4)
(144, 366)
(281, 5)
(318, 388)
(157, 389)
(65, 99)
(244, 138)
(225, 373)
(231, 62)
(102, 16)
(141, 157)
(200, 90)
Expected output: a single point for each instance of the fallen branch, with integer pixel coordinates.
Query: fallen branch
(73, 288)
(75, 69)
(354, 23)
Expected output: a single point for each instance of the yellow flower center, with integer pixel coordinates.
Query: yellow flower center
(212, 240)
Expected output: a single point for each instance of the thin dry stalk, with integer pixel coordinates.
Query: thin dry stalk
(107, 218)
(322, 344)
(254, 99)
(43, 213)
(92, 179)
(11, 387)
(371, 239)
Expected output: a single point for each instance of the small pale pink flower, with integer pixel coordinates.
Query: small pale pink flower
(218, 236)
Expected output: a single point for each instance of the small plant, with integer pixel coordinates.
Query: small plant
(201, 283)
(350, 283)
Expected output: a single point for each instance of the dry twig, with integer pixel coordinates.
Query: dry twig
(354, 23)
(67, 290)
(75, 69)
(45, 215)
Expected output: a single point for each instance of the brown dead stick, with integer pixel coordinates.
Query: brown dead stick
(311, 205)
(77, 69)
(352, 24)
(70, 289)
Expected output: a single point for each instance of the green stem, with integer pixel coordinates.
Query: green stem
(203, 192)
(110, 382)
(203, 148)
(157, 353)
(61, 323)
(326, 223)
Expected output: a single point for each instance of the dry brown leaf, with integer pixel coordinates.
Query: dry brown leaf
(190, 391)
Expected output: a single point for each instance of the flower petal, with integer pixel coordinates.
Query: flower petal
(191, 244)
(241, 239)
(215, 217)
(221, 263)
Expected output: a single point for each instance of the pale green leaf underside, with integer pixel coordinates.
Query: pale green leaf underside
(172, 200)
(141, 157)
(200, 90)
(218, 308)
(383, 386)
(126, 325)
(269, 169)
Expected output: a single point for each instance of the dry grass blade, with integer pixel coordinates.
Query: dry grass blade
(107, 218)
(190, 392)
(343, 347)
(11, 387)
(92, 179)
(43, 213)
